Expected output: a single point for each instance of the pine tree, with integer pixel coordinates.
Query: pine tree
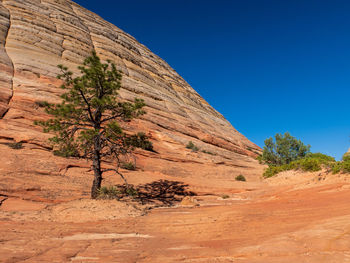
(87, 121)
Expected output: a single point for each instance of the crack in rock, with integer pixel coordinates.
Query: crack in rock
(92, 236)
(3, 114)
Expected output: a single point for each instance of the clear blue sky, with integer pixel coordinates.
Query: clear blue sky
(267, 66)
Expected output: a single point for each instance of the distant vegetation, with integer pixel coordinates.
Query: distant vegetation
(342, 166)
(225, 196)
(288, 153)
(192, 146)
(207, 152)
(140, 140)
(311, 162)
(240, 178)
(128, 166)
(283, 150)
(15, 145)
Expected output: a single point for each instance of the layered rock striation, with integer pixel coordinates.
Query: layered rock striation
(37, 35)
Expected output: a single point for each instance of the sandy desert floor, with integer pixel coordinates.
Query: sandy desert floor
(293, 217)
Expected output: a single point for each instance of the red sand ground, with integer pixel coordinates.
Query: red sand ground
(291, 218)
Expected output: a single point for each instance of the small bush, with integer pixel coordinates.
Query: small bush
(117, 192)
(128, 166)
(42, 104)
(260, 159)
(272, 170)
(240, 178)
(346, 157)
(346, 166)
(207, 152)
(15, 145)
(192, 146)
(337, 167)
(140, 140)
(225, 196)
(325, 159)
(131, 191)
(109, 192)
(310, 164)
(342, 166)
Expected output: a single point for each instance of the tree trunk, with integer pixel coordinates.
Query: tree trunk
(96, 165)
(96, 184)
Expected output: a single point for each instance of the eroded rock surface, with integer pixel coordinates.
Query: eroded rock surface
(36, 36)
(272, 221)
(45, 211)
(6, 66)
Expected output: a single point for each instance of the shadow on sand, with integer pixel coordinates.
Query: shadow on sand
(161, 192)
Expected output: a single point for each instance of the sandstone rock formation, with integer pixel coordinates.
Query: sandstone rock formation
(37, 35)
(45, 211)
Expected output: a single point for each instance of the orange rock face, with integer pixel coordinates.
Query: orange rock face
(45, 211)
(36, 36)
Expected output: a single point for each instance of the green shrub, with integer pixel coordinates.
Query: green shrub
(273, 170)
(283, 150)
(310, 164)
(337, 167)
(140, 140)
(192, 146)
(323, 158)
(207, 152)
(225, 196)
(342, 166)
(346, 166)
(131, 191)
(109, 192)
(346, 157)
(240, 178)
(42, 104)
(15, 145)
(128, 166)
(260, 159)
(117, 192)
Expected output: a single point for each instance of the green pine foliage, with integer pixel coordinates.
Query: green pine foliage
(87, 121)
(140, 140)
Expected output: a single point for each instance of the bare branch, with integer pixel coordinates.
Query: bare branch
(119, 173)
(112, 117)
